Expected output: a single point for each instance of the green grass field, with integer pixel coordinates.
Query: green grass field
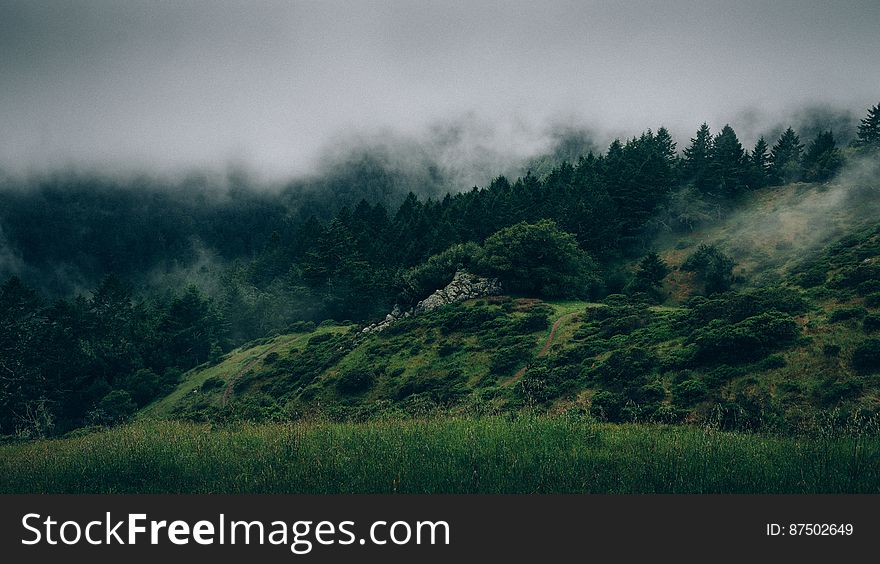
(489, 455)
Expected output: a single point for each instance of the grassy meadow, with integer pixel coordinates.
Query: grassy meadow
(523, 454)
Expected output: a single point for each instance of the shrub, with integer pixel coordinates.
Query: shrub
(539, 385)
(143, 386)
(607, 406)
(320, 338)
(212, 383)
(508, 358)
(831, 350)
(301, 327)
(466, 319)
(689, 392)
(533, 321)
(831, 391)
(713, 267)
(722, 374)
(114, 408)
(625, 368)
(866, 357)
(355, 381)
(271, 358)
(847, 313)
(745, 341)
(811, 278)
(437, 385)
(872, 300)
(772, 362)
(871, 323)
(256, 407)
(868, 287)
(736, 306)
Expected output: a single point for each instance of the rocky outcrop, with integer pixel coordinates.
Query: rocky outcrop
(464, 286)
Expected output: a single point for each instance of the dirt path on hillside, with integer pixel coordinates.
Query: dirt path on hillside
(228, 391)
(547, 344)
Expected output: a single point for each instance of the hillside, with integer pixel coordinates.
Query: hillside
(789, 348)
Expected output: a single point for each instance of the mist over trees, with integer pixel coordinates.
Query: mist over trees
(96, 322)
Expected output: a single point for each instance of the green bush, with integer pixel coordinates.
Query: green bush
(772, 362)
(831, 390)
(533, 321)
(872, 300)
(460, 318)
(438, 386)
(627, 368)
(271, 358)
(831, 350)
(320, 338)
(871, 323)
(847, 313)
(607, 406)
(866, 357)
(301, 327)
(868, 287)
(114, 408)
(745, 341)
(508, 358)
(712, 267)
(355, 381)
(143, 386)
(737, 306)
(542, 383)
(811, 278)
(212, 383)
(689, 392)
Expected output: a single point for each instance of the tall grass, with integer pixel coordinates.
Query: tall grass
(489, 455)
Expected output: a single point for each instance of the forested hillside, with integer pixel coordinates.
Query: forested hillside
(119, 288)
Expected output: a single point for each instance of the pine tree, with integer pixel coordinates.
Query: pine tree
(666, 147)
(785, 158)
(869, 129)
(822, 158)
(728, 162)
(649, 276)
(697, 159)
(759, 164)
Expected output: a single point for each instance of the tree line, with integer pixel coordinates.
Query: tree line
(70, 361)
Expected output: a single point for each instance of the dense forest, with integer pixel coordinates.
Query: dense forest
(115, 289)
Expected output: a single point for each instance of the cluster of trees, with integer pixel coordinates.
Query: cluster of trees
(95, 360)
(720, 165)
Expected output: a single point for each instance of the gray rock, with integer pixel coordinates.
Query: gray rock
(464, 286)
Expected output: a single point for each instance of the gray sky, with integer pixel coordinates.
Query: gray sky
(271, 85)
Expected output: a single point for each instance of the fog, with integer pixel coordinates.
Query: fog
(287, 89)
(795, 221)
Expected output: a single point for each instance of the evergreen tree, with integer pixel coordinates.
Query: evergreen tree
(869, 129)
(649, 275)
(822, 159)
(666, 147)
(759, 164)
(697, 159)
(728, 163)
(193, 330)
(785, 158)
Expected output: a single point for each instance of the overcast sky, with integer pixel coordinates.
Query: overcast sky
(272, 85)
